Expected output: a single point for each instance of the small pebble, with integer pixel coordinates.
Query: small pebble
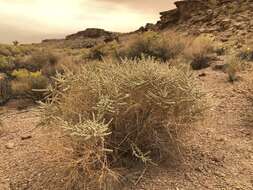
(10, 145)
(25, 137)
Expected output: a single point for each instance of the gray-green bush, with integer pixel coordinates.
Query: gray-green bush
(122, 113)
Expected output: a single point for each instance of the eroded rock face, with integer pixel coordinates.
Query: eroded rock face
(225, 19)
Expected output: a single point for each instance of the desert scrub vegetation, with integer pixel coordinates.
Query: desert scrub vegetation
(28, 84)
(198, 53)
(246, 53)
(19, 50)
(103, 50)
(159, 46)
(39, 60)
(235, 64)
(6, 63)
(121, 115)
(4, 88)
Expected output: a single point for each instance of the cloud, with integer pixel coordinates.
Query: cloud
(41, 19)
(142, 5)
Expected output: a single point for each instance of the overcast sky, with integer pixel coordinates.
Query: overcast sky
(34, 20)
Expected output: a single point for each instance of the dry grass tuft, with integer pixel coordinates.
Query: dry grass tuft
(122, 114)
(234, 65)
(198, 52)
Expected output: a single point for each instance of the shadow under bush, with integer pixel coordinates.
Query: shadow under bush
(121, 114)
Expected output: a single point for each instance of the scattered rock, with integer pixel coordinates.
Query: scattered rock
(199, 169)
(221, 139)
(218, 157)
(10, 145)
(188, 177)
(220, 67)
(219, 174)
(202, 75)
(25, 137)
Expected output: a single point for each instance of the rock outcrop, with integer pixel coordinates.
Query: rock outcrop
(225, 19)
(90, 33)
(85, 39)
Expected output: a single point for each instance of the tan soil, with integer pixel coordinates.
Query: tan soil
(218, 151)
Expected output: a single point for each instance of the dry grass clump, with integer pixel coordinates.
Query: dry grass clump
(234, 65)
(198, 52)
(159, 46)
(120, 115)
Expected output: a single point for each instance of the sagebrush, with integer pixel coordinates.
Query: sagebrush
(120, 114)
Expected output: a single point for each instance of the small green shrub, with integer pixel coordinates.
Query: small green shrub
(122, 114)
(28, 83)
(162, 47)
(6, 64)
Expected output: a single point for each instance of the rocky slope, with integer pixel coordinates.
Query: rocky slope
(226, 19)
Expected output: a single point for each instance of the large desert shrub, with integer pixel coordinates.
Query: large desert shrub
(160, 46)
(39, 60)
(198, 52)
(122, 114)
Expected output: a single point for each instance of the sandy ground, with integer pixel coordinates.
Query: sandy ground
(218, 150)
